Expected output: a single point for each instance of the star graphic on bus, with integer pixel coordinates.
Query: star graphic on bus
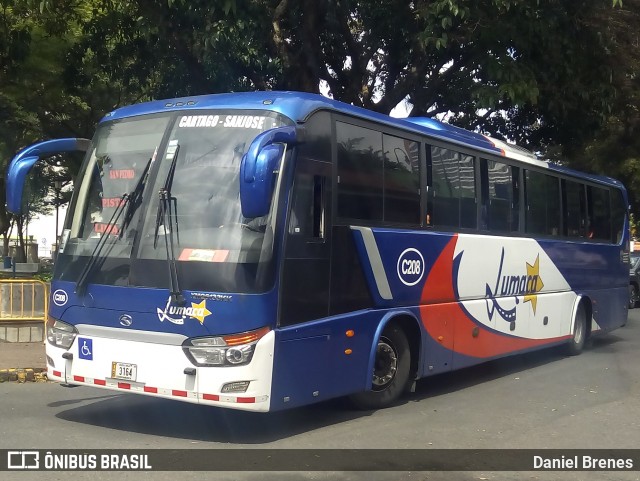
(200, 311)
(534, 283)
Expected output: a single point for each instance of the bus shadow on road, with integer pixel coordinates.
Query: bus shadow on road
(179, 420)
(442, 384)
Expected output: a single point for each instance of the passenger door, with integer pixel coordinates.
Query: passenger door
(305, 277)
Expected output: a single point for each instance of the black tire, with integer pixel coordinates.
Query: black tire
(577, 341)
(633, 296)
(391, 371)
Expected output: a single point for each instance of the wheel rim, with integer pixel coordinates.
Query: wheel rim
(386, 365)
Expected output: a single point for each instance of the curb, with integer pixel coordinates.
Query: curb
(23, 375)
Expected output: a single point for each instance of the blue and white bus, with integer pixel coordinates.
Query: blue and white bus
(267, 250)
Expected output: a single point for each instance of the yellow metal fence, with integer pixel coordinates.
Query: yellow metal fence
(23, 300)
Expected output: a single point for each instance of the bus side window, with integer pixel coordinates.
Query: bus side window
(617, 215)
(307, 208)
(451, 200)
(599, 213)
(542, 194)
(515, 199)
(573, 201)
(500, 196)
(360, 180)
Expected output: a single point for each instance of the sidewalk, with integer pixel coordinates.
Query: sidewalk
(22, 355)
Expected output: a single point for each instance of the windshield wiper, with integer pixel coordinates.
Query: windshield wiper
(131, 201)
(167, 211)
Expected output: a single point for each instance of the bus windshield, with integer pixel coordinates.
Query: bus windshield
(196, 160)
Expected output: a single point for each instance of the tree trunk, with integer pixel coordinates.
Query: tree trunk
(21, 252)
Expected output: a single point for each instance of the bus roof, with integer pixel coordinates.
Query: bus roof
(298, 106)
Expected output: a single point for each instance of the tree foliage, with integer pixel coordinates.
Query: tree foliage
(538, 72)
(614, 149)
(33, 104)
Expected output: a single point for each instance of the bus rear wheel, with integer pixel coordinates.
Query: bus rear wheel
(633, 296)
(390, 373)
(577, 341)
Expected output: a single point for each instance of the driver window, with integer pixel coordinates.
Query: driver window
(307, 211)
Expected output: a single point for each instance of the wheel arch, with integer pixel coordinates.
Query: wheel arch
(410, 325)
(585, 300)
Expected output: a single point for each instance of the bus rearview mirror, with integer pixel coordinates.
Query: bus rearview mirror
(258, 166)
(21, 165)
(16, 177)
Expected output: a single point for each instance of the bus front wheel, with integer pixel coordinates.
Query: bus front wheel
(576, 343)
(390, 372)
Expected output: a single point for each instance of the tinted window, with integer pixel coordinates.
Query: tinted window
(574, 207)
(401, 180)
(599, 213)
(468, 210)
(307, 206)
(502, 206)
(452, 201)
(543, 204)
(360, 172)
(618, 211)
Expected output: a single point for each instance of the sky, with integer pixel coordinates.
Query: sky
(43, 229)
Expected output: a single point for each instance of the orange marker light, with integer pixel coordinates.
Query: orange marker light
(348, 351)
(245, 337)
(350, 333)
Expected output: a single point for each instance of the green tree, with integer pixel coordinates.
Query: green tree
(32, 101)
(535, 72)
(614, 150)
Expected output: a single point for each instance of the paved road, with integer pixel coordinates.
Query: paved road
(539, 400)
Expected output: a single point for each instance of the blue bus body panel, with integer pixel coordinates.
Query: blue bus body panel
(210, 314)
(437, 302)
(587, 264)
(310, 362)
(464, 319)
(458, 291)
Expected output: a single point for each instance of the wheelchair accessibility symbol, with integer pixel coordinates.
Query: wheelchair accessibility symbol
(85, 348)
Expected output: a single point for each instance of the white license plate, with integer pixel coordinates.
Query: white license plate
(123, 370)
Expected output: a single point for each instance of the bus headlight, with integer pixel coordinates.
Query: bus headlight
(60, 334)
(228, 350)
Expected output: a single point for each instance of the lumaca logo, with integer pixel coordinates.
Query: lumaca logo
(196, 311)
(508, 285)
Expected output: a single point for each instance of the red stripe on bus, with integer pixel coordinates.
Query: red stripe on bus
(153, 390)
(57, 373)
(124, 385)
(78, 378)
(211, 397)
(179, 393)
(100, 382)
